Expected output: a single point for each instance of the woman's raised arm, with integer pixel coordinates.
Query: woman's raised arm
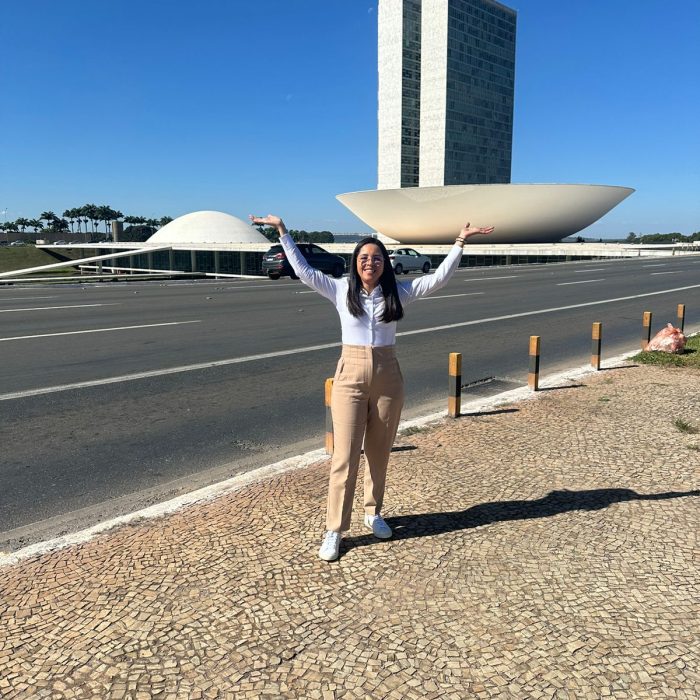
(310, 276)
(427, 284)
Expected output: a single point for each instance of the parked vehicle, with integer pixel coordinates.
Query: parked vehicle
(17, 243)
(407, 259)
(276, 265)
(60, 243)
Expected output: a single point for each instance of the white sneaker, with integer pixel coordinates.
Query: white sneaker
(379, 528)
(330, 547)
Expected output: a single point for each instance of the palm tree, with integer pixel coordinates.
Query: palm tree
(22, 223)
(36, 225)
(10, 226)
(49, 217)
(90, 212)
(70, 214)
(165, 220)
(104, 214)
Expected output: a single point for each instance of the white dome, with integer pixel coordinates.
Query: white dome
(206, 227)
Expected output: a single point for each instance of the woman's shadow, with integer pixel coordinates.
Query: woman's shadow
(556, 502)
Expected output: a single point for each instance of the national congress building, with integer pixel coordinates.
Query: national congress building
(446, 84)
(445, 133)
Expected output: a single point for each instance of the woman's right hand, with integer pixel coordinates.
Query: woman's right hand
(269, 220)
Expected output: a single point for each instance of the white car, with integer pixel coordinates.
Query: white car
(407, 259)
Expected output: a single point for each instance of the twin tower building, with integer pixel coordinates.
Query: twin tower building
(446, 86)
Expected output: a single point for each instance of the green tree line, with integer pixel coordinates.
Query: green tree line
(662, 238)
(84, 220)
(300, 236)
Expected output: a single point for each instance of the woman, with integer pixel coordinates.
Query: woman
(367, 392)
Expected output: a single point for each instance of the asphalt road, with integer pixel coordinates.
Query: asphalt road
(116, 396)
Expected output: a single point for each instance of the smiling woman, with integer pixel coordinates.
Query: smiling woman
(368, 392)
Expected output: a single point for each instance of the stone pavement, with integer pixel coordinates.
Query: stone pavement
(547, 549)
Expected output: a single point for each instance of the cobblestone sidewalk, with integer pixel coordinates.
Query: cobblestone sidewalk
(543, 550)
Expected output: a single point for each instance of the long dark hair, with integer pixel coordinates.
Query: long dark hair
(393, 310)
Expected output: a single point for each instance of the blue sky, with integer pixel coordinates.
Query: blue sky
(162, 107)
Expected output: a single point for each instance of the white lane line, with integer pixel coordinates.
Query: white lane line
(449, 296)
(593, 269)
(98, 330)
(163, 372)
(542, 311)
(23, 298)
(656, 265)
(313, 348)
(671, 272)
(49, 308)
(563, 284)
(481, 279)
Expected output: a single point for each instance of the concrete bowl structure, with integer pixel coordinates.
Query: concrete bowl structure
(520, 213)
(211, 227)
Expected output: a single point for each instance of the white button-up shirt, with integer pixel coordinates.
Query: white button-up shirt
(368, 329)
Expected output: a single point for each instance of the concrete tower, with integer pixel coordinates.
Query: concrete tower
(446, 84)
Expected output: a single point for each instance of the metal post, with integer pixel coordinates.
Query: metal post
(680, 313)
(533, 377)
(454, 396)
(646, 329)
(596, 338)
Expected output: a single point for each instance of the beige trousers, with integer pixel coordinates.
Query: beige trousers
(366, 404)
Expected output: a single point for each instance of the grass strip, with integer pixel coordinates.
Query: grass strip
(689, 358)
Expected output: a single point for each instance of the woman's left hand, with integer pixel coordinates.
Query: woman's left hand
(269, 220)
(468, 230)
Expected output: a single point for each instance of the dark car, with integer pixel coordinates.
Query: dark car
(276, 265)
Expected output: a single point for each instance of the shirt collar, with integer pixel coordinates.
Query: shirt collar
(377, 291)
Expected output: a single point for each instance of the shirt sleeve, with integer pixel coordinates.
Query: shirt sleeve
(427, 284)
(310, 276)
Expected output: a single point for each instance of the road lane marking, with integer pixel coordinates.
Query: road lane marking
(23, 298)
(593, 269)
(562, 284)
(314, 348)
(449, 296)
(522, 314)
(49, 308)
(97, 330)
(481, 279)
(656, 265)
(670, 272)
(163, 372)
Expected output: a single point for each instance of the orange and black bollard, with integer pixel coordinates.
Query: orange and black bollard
(329, 417)
(596, 338)
(454, 398)
(533, 376)
(681, 316)
(646, 329)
